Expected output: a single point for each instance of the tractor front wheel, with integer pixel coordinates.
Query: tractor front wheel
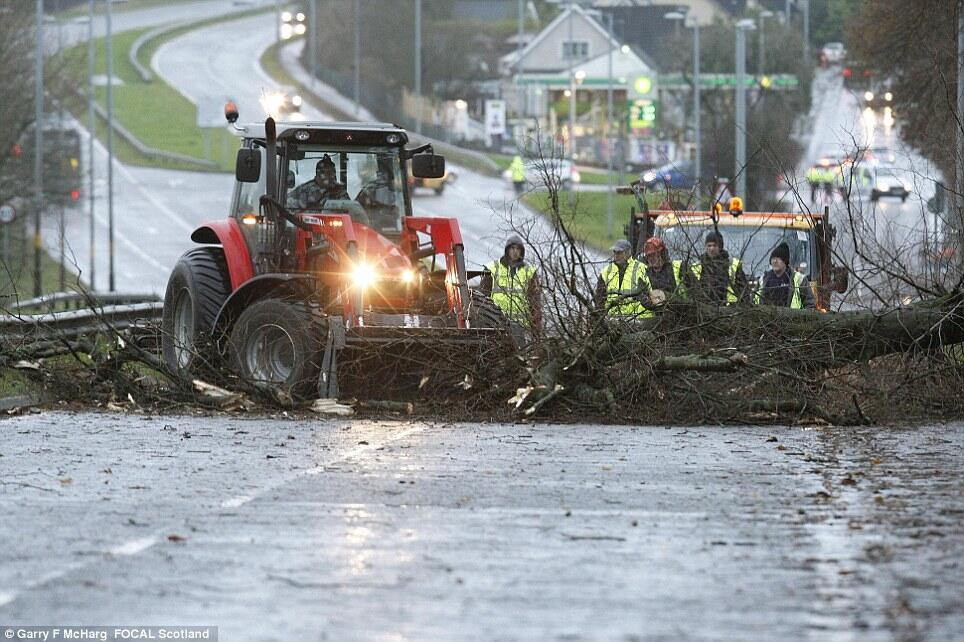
(197, 289)
(276, 345)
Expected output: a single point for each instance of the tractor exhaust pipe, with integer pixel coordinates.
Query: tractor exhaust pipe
(271, 140)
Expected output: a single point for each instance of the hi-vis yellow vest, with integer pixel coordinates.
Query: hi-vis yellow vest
(731, 296)
(677, 269)
(796, 303)
(618, 293)
(509, 292)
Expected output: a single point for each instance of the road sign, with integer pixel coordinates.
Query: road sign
(7, 214)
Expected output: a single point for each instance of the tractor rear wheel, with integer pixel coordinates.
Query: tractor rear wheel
(196, 291)
(277, 345)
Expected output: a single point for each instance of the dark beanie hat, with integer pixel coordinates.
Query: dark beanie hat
(781, 251)
(715, 237)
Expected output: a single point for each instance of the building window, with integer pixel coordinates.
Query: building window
(575, 50)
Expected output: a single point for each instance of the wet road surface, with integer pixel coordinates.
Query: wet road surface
(280, 529)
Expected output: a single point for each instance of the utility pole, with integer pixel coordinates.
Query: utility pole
(518, 60)
(609, 134)
(61, 214)
(786, 12)
(697, 132)
(761, 62)
(806, 30)
(38, 175)
(740, 170)
(418, 66)
(572, 93)
(357, 60)
(110, 152)
(92, 128)
(958, 221)
(313, 40)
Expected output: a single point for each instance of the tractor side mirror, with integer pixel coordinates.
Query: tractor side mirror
(247, 169)
(428, 166)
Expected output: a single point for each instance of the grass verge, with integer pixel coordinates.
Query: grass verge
(586, 216)
(16, 272)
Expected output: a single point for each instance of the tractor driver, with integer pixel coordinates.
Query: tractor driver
(323, 187)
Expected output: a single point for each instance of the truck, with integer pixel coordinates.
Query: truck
(748, 235)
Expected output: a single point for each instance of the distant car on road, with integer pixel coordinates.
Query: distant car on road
(537, 170)
(678, 175)
(833, 53)
(887, 183)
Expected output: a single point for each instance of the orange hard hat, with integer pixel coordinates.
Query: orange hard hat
(654, 245)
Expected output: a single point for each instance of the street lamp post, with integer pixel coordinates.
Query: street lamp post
(761, 62)
(92, 128)
(740, 170)
(418, 66)
(313, 40)
(110, 152)
(572, 93)
(38, 175)
(697, 115)
(609, 134)
(357, 66)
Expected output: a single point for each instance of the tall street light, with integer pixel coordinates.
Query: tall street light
(357, 65)
(110, 152)
(740, 170)
(697, 131)
(418, 66)
(38, 176)
(761, 63)
(572, 93)
(313, 40)
(92, 127)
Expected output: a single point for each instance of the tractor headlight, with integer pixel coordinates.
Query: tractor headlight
(363, 275)
(408, 276)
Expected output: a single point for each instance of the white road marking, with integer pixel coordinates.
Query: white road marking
(134, 546)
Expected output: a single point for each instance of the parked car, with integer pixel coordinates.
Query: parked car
(437, 184)
(887, 183)
(678, 175)
(833, 53)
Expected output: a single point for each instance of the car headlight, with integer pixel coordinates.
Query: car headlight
(575, 176)
(296, 100)
(868, 96)
(649, 176)
(363, 275)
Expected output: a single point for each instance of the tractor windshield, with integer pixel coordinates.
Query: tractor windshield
(752, 244)
(364, 182)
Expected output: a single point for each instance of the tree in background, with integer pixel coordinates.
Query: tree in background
(771, 150)
(828, 20)
(913, 46)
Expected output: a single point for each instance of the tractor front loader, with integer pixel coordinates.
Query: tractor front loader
(321, 264)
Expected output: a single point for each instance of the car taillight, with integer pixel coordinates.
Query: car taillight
(847, 72)
(74, 195)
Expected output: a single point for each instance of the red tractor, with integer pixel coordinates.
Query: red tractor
(320, 254)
